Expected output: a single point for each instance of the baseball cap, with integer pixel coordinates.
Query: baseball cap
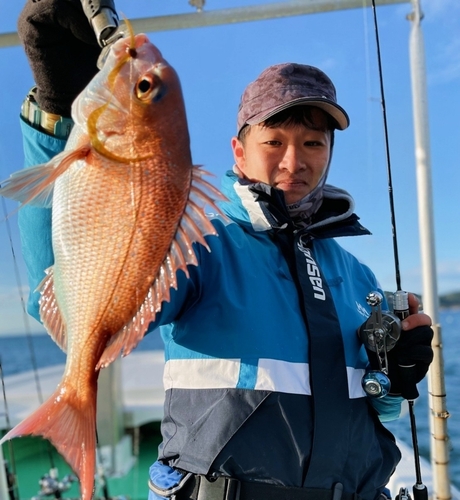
(282, 86)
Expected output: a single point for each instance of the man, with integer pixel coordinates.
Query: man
(263, 361)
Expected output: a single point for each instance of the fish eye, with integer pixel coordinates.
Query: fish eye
(144, 86)
(147, 87)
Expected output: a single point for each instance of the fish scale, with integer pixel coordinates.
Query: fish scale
(134, 247)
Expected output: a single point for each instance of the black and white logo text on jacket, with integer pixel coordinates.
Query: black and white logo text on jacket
(313, 274)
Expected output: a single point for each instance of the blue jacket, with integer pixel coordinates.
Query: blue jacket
(239, 398)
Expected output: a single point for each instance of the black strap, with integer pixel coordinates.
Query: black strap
(225, 488)
(328, 374)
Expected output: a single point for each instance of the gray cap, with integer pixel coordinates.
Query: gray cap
(284, 85)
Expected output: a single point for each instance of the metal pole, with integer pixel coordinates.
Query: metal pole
(3, 480)
(110, 412)
(235, 15)
(436, 386)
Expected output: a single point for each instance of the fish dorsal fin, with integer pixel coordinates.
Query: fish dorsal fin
(50, 313)
(35, 185)
(193, 226)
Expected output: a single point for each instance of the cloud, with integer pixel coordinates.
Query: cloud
(435, 9)
(440, 27)
(328, 64)
(446, 63)
(442, 20)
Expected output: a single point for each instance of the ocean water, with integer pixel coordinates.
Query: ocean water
(450, 326)
(15, 355)
(20, 353)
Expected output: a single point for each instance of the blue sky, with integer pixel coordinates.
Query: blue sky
(216, 63)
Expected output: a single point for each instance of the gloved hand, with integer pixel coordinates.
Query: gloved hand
(62, 51)
(408, 361)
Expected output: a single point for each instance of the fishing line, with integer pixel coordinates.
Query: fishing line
(11, 479)
(26, 321)
(369, 129)
(419, 490)
(387, 152)
(21, 298)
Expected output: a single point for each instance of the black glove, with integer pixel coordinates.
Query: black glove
(62, 51)
(408, 361)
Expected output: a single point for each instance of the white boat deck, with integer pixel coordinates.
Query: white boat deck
(142, 389)
(143, 396)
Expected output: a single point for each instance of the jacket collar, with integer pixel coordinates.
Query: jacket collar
(262, 208)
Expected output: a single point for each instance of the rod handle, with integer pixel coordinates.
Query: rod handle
(407, 373)
(420, 492)
(407, 377)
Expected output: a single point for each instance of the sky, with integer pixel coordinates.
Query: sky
(216, 63)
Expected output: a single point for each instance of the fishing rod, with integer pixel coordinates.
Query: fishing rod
(382, 330)
(103, 18)
(49, 483)
(13, 491)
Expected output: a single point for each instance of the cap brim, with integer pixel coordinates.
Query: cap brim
(330, 107)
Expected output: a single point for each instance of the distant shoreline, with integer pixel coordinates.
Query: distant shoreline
(446, 305)
(455, 307)
(446, 300)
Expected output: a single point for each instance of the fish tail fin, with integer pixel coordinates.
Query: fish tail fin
(71, 429)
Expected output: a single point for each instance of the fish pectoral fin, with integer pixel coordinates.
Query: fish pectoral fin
(130, 335)
(127, 339)
(34, 185)
(49, 311)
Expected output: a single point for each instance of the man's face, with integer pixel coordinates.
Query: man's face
(292, 158)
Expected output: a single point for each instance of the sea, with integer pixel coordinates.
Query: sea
(19, 353)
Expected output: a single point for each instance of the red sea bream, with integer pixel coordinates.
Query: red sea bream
(127, 204)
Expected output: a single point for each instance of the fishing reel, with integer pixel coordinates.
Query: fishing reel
(103, 17)
(50, 484)
(379, 334)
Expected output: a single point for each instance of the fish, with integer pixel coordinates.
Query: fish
(127, 206)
